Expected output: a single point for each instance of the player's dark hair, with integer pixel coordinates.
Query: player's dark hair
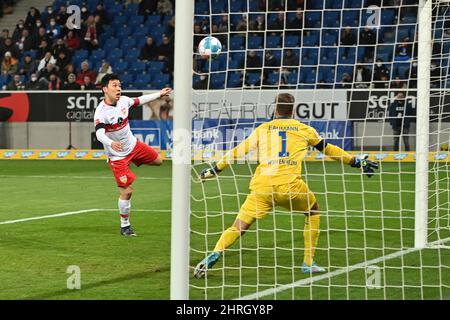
(285, 104)
(107, 78)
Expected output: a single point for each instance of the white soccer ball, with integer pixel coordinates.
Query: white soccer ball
(209, 47)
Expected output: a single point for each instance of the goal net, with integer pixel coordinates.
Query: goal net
(352, 66)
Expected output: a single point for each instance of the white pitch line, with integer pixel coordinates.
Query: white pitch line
(336, 272)
(57, 215)
(63, 214)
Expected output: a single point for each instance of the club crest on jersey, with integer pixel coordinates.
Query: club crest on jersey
(120, 120)
(123, 179)
(124, 111)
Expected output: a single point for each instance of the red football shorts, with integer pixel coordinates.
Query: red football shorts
(141, 154)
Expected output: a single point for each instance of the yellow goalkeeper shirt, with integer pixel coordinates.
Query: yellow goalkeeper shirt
(281, 145)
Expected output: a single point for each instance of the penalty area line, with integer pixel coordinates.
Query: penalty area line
(431, 245)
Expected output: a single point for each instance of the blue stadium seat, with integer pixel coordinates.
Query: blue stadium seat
(119, 21)
(123, 32)
(333, 4)
(98, 54)
(155, 66)
(137, 67)
(313, 19)
(347, 55)
(387, 35)
(115, 54)
(119, 66)
(350, 18)
(293, 78)
(234, 80)
(238, 6)
(326, 74)
(315, 4)
(111, 44)
(385, 52)
(132, 54)
(126, 79)
(217, 80)
(307, 75)
(273, 42)
(253, 78)
(353, 4)
(152, 21)
(219, 6)
(201, 7)
(402, 33)
(309, 56)
(341, 70)
(387, 17)
(400, 70)
(330, 38)
(361, 53)
(328, 56)
(311, 38)
(161, 80)
(142, 81)
(128, 43)
(237, 43)
(234, 65)
(273, 78)
(331, 19)
(291, 41)
(255, 42)
(410, 19)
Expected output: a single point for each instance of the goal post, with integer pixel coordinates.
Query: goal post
(181, 153)
(423, 122)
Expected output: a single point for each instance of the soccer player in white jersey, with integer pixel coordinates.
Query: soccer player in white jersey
(122, 148)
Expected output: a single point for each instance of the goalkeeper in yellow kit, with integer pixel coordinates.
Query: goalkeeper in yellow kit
(281, 145)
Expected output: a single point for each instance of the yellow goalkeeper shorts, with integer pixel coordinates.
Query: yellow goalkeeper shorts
(294, 196)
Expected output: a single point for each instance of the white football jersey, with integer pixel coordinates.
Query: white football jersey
(115, 120)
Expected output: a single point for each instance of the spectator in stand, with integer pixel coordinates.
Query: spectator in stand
(54, 83)
(44, 74)
(165, 50)
(259, 24)
(103, 71)
(403, 50)
(48, 58)
(43, 49)
(362, 77)
(241, 25)
(380, 70)
(201, 84)
(62, 16)
(164, 7)
(149, 51)
(348, 38)
(397, 83)
(382, 83)
(84, 13)
(17, 33)
(42, 35)
(88, 84)
(53, 29)
(3, 36)
(223, 24)
(71, 83)
(62, 60)
(60, 46)
(100, 11)
(400, 116)
(26, 42)
(32, 16)
(64, 73)
(28, 66)
(85, 71)
(9, 64)
(146, 8)
(253, 62)
(16, 83)
(33, 84)
(297, 22)
(367, 36)
(278, 25)
(11, 47)
(412, 75)
(49, 14)
(89, 35)
(72, 40)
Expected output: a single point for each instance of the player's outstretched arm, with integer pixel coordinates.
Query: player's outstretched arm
(150, 97)
(339, 154)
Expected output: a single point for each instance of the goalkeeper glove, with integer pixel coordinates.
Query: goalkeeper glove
(209, 173)
(367, 165)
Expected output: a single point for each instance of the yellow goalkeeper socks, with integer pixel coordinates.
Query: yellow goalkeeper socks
(311, 237)
(227, 238)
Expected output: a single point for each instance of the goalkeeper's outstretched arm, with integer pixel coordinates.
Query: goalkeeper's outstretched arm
(338, 154)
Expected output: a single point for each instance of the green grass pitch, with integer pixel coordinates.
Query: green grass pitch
(38, 252)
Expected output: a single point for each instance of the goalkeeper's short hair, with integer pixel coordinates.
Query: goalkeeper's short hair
(285, 104)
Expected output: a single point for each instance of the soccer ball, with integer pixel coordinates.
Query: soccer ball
(209, 47)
